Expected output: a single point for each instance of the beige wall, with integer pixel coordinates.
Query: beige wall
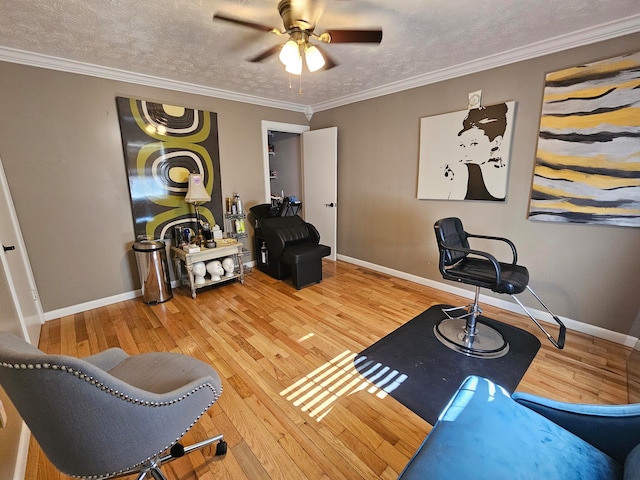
(60, 146)
(61, 149)
(587, 273)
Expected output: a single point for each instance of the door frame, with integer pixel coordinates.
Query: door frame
(17, 432)
(278, 127)
(30, 313)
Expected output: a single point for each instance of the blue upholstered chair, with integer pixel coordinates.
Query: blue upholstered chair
(484, 433)
(109, 414)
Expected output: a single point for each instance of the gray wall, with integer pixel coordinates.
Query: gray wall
(60, 145)
(61, 148)
(587, 273)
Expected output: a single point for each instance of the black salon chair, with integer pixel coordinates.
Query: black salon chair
(459, 262)
(293, 249)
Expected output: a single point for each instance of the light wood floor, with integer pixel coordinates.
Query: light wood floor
(293, 407)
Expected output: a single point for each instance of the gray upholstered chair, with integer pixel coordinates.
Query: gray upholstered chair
(109, 414)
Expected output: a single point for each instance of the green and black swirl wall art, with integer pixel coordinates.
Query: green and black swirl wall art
(162, 144)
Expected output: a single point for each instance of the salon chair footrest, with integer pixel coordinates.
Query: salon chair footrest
(306, 262)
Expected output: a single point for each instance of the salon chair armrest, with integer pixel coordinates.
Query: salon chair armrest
(514, 252)
(469, 251)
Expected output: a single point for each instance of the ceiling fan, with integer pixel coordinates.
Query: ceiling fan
(300, 32)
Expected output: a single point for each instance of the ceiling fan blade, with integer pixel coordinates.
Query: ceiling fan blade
(352, 36)
(329, 62)
(266, 54)
(244, 23)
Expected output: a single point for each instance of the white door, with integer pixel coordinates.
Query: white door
(24, 316)
(320, 181)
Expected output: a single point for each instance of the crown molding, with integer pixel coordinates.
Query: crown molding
(71, 66)
(580, 38)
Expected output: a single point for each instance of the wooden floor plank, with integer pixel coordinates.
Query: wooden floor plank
(293, 406)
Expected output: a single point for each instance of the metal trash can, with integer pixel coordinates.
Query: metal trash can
(151, 257)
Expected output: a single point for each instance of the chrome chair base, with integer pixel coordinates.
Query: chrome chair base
(467, 335)
(486, 342)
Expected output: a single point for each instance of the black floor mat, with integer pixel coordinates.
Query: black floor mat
(412, 366)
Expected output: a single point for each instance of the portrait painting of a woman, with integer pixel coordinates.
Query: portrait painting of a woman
(464, 155)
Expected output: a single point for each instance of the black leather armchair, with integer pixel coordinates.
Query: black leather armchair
(461, 263)
(293, 249)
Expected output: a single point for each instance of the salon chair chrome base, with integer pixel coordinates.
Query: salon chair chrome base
(467, 335)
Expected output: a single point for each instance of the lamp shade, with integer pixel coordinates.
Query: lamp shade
(315, 60)
(290, 52)
(196, 193)
(295, 67)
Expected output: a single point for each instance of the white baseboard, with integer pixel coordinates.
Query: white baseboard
(582, 327)
(103, 302)
(83, 307)
(541, 315)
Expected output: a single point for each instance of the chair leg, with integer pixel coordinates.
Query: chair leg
(154, 471)
(177, 451)
(468, 335)
(559, 344)
(157, 474)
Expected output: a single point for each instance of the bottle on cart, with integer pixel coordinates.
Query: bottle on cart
(264, 255)
(238, 203)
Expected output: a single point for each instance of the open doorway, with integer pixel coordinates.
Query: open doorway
(285, 166)
(317, 162)
(285, 159)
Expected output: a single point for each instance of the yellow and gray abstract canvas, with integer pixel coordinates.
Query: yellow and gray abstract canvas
(588, 158)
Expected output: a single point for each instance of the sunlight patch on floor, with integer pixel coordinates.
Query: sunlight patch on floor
(316, 393)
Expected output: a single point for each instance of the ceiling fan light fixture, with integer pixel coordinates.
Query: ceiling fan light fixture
(314, 58)
(290, 53)
(294, 67)
(299, 18)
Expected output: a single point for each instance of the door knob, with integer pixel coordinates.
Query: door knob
(329, 204)
(12, 247)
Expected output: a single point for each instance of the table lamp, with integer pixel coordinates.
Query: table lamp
(197, 195)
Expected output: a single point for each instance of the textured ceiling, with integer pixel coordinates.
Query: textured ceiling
(177, 39)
